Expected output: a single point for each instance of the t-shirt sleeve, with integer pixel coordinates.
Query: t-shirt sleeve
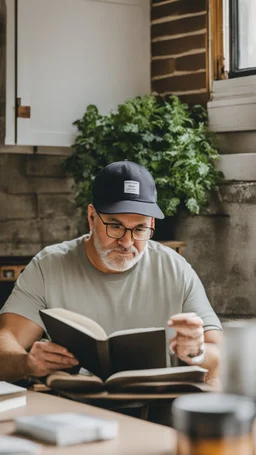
(196, 301)
(28, 296)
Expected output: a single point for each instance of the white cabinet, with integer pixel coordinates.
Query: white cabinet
(71, 53)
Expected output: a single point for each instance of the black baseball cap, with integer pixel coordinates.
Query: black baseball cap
(125, 187)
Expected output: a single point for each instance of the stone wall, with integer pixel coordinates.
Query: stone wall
(221, 248)
(37, 205)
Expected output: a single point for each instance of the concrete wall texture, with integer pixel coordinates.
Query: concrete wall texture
(221, 248)
(37, 206)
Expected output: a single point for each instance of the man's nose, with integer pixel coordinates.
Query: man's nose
(127, 240)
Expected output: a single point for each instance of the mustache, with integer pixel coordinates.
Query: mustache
(131, 249)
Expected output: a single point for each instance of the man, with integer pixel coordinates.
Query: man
(115, 275)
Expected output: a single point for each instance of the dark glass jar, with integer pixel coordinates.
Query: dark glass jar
(214, 424)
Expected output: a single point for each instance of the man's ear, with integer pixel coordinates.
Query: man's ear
(91, 214)
(153, 223)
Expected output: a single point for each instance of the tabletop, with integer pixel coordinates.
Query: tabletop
(135, 436)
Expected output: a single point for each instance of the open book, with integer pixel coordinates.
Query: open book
(156, 380)
(104, 355)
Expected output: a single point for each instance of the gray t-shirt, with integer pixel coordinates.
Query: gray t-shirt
(160, 285)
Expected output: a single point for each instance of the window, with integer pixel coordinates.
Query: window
(232, 108)
(242, 33)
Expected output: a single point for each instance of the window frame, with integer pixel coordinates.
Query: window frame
(234, 44)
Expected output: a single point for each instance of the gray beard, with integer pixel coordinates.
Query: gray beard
(114, 264)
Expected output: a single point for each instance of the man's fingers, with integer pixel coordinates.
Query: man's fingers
(193, 321)
(185, 341)
(172, 347)
(52, 367)
(50, 356)
(189, 337)
(59, 359)
(184, 353)
(189, 331)
(187, 346)
(182, 316)
(54, 348)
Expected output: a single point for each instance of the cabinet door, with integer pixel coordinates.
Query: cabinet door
(72, 53)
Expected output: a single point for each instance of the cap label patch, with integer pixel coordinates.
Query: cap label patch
(132, 187)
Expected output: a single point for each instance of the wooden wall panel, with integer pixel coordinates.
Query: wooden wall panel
(176, 27)
(179, 8)
(179, 83)
(178, 45)
(163, 66)
(192, 62)
(179, 34)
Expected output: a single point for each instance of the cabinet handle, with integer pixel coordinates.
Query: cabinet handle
(22, 111)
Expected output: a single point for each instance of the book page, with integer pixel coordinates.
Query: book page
(130, 331)
(166, 387)
(78, 321)
(77, 382)
(183, 373)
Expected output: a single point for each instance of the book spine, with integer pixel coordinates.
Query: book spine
(104, 358)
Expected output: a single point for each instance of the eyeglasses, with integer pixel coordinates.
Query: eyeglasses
(118, 230)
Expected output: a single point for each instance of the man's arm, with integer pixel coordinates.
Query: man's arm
(189, 340)
(17, 336)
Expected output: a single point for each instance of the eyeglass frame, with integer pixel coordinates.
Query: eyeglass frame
(152, 230)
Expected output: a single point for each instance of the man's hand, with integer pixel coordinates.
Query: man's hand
(189, 339)
(46, 357)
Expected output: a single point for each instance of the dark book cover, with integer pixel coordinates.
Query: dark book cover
(92, 354)
(121, 352)
(137, 351)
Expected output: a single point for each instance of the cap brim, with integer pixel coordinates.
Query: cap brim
(140, 208)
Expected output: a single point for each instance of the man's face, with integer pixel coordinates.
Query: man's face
(118, 254)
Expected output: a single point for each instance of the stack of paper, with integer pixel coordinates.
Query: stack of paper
(66, 428)
(11, 396)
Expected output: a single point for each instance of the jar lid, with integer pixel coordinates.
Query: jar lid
(213, 415)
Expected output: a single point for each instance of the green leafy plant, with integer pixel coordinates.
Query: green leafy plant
(166, 136)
